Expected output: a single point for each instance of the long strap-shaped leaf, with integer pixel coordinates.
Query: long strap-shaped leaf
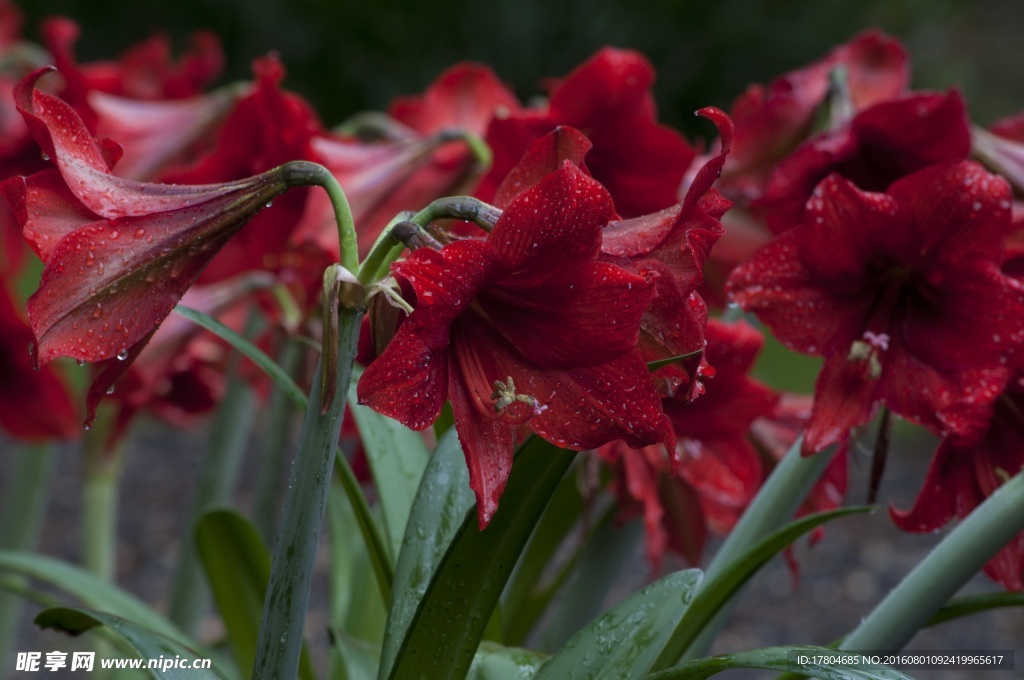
(718, 588)
(90, 589)
(442, 503)
(624, 642)
(174, 660)
(451, 617)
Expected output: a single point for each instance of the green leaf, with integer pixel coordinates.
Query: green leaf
(625, 641)
(495, 662)
(237, 567)
(525, 598)
(144, 642)
(450, 620)
(265, 363)
(839, 666)
(719, 587)
(974, 604)
(91, 590)
(397, 458)
(607, 552)
(354, 659)
(442, 505)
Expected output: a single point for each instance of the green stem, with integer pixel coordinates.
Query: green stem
(102, 473)
(229, 432)
(459, 208)
(280, 410)
(304, 173)
(774, 504)
(284, 609)
(26, 495)
(926, 589)
(481, 152)
(385, 250)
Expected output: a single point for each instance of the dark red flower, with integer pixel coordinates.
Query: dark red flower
(879, 145)
(670, 247)
(156, 135)
(33, 404)
(145, 71)
(902, 294)
(268, 127)
(526, 329)
(963, 473)
(118, 254)
(772, 120)
(608, 98)
(729, 440)
(717, 458)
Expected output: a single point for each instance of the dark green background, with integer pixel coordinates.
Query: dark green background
(347, 56)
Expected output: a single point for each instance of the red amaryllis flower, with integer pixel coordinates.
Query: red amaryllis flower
(608, 97)
(965, 472)
(902, 294)
(267, 128)
(118, 254)
(729, 439)
(145, 71)
(670, 246)
(879, 145)
(772, 120)
(525, 329)
(421, 160)
(156, 134)
(34, 404)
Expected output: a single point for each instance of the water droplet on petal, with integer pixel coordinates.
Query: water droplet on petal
(80, 362)
(122, 354)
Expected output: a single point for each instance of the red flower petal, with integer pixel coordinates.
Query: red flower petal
(546, 155)
(556, 222)
(582, 315)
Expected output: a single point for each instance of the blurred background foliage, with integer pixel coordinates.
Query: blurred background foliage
(347, 55)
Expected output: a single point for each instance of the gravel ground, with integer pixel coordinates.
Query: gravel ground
(840, 579)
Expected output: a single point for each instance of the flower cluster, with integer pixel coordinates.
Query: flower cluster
(868, 224)
(892, 260)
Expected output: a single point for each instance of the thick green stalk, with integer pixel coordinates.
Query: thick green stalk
(275, 442)
(26, 495)
(284, 609)
(229, 433)
(957, 558)
(101, 476)
(774, 504)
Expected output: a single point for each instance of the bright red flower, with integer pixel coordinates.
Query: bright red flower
(33, 404)
(609, 98)
(422, 161)
(901, 292)
(118, 254)
(526, 329)
(963, 473)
